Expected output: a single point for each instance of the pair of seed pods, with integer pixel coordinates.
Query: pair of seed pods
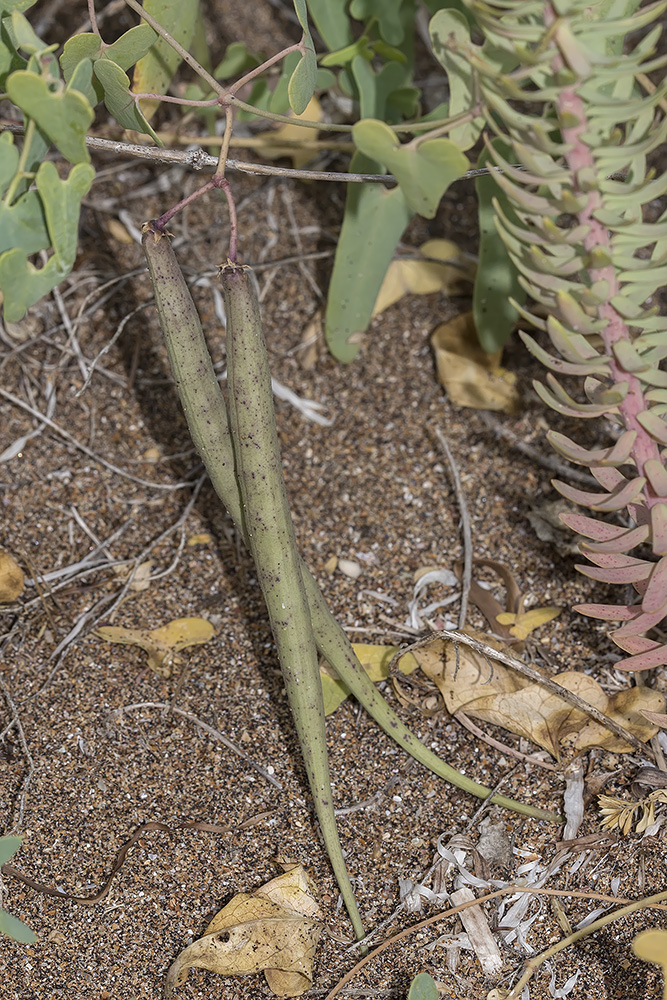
(238, 444)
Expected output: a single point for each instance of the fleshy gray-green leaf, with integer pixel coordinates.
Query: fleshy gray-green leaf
(423, 988)
(16, 929)
(374, 221)
(63, 115)
(119, 101)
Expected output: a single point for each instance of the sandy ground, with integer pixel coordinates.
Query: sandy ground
(373, 488)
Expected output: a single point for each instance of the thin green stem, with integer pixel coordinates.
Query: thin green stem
(166, 99)
(21, 172)
(285, 119)
(258, 70)
(226, 140)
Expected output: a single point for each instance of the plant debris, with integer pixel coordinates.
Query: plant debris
(273, 930)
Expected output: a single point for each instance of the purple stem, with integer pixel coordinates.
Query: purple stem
(223, 183)
(216, 182)
(163, 221)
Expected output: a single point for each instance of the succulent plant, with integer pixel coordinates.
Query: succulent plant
(578, 110)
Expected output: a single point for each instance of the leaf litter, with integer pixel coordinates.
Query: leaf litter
(274, 930)
(162, 644)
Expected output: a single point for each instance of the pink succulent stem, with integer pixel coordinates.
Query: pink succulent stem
(579, 157)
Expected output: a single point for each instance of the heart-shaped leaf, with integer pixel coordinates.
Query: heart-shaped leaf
(450, 37)
(22, 284)
(119, 100)
(132, 46)
(424, 170)
(62, 203)
(63, 115)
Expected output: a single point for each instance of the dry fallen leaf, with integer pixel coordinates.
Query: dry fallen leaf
(12, 580)
(425, 275)
(202, 539)
(117, 230)
(161, 644)
(141, 578)
(651, 946)
(293, 141)
(274, 930)
(470, 375)
(523, 623)
(469, 682)
(374, 659)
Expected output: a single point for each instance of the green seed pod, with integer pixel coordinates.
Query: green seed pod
(272, 543)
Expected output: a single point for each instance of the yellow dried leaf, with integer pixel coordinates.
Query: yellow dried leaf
(12, 580)
(297, 143)
(525, 622)
(274, 930)
(117, 230)
(470, 375)
(161, 644)
(141, 578)
(202, 539)
(425, 276)
(651, 946)
(374, 659)
(490, 691)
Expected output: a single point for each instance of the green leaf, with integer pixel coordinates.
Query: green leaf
(375, 89)
(388, 16)
(12, 5)
(9, 160)
(302, 82)
(22, 284)
(8, 847)
(497, 279)
(10, 60)
(433, 6)
(63, 115)
(155, 71)
(15, 929)
(423, 988)
(374, 221)
(22, 224)
(237, 59)
(301, 12)
(279, 101)
(343, 56)
(450, 37)
(118, 99)
(332, 22)
(424, 170)
(83, 81)
(84, 46)
(25, 38)
(62, 205)
(132, 46)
